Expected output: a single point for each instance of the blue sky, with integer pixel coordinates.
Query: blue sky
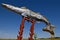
(10, 21)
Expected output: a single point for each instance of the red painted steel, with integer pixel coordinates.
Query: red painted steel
(19, 37)
(32, 30)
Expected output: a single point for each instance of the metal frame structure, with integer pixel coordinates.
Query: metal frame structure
(20, 33)
(19, 37)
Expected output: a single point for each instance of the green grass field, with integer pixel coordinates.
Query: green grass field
(37, 39)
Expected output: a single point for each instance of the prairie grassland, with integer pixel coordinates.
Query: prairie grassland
(37, 39)
(49, 39)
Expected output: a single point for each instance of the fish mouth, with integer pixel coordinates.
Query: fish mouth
(50, 29)
(47, 30)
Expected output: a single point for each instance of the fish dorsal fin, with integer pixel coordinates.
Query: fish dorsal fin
(23, 7)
